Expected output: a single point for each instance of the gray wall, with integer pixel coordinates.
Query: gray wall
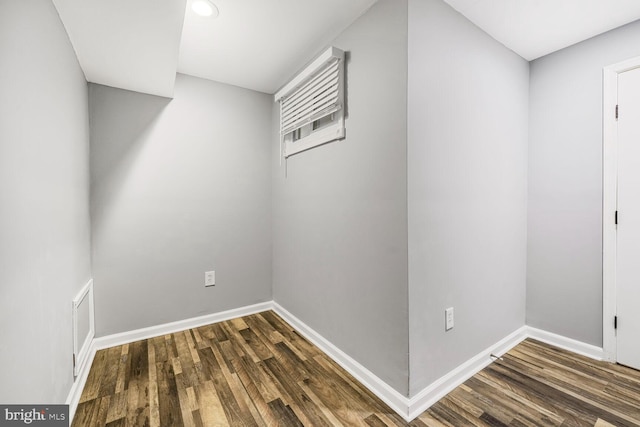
(179, 187)
(44, 201)
(564, 268)
(467, 148)
(340, 215)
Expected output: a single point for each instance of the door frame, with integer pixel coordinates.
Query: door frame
(609, 201)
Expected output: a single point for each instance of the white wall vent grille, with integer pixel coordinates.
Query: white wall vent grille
(83, 326)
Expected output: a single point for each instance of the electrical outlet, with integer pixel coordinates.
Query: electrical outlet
(209, 278)
(448, 319)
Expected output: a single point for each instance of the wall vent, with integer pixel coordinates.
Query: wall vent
(83, 327)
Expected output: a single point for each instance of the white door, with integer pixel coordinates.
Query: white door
(628, 231)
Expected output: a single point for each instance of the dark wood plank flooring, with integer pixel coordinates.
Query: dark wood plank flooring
(257, 371)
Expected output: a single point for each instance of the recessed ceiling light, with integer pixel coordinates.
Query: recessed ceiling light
(205, 8)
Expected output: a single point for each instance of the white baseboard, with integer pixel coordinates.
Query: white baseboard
(145, 333)
(407, 408)
(447, 383)
(181, 325)
(385, 392)
(78, 385)
(565, 343)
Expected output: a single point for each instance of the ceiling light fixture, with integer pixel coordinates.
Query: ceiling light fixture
(205, 8)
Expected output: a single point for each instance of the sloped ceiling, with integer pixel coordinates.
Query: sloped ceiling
(534, 28)
(259, 44)
(130, 44)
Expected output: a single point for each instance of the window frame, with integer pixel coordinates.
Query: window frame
(330, 132)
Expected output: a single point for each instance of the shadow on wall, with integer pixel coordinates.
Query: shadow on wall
(117, 140)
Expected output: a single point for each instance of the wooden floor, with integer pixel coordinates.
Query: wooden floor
(257, 371)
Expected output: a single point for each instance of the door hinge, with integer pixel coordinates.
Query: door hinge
(615, 322)
(616, 218)
(616, 112)
(74, 360)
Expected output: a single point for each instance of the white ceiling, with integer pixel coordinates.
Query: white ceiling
(130, 44)
(534, 28)
(259, 44)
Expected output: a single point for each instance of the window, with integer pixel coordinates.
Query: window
(312, 104)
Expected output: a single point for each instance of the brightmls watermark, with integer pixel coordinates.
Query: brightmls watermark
(36, 415)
